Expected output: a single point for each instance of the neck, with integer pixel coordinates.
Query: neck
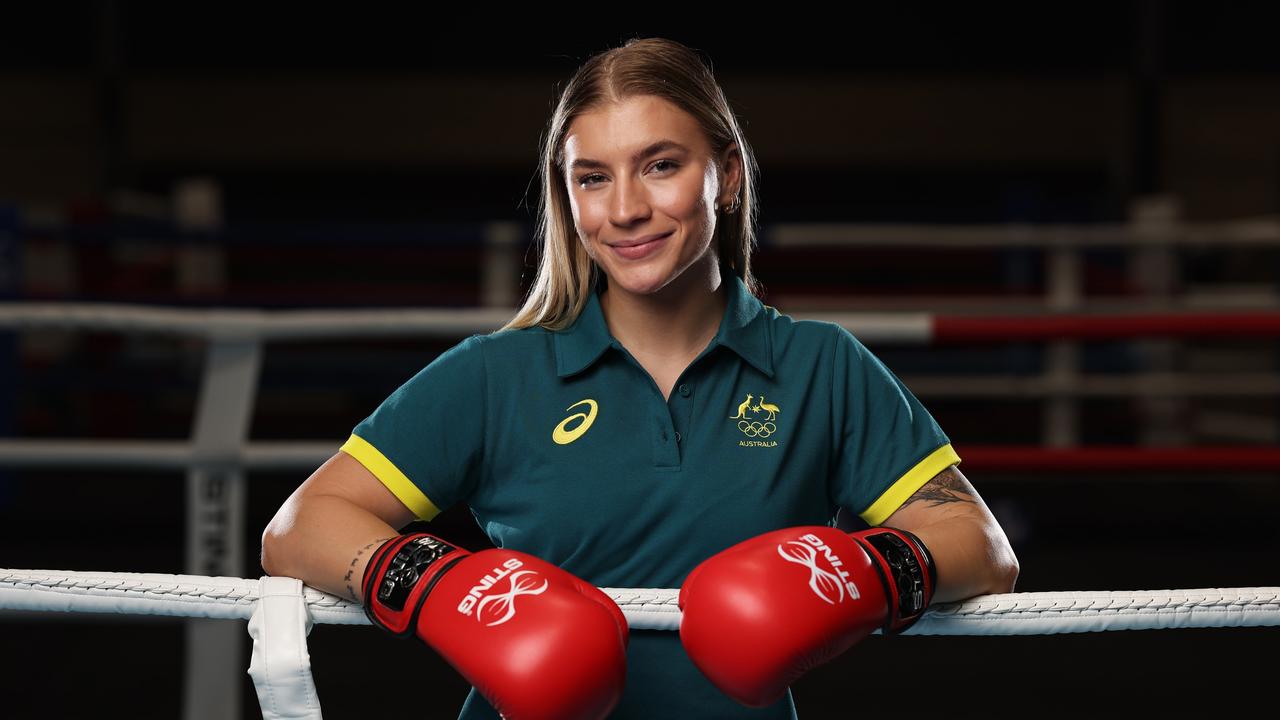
(678, 321)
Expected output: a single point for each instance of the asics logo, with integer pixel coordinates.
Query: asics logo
(501, 605)
(563, 436)
(823, 583)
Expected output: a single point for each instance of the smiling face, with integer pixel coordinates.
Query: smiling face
(643, 186)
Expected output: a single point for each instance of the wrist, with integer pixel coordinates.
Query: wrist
(906, 568)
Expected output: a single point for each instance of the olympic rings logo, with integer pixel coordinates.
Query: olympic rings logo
(756, 429)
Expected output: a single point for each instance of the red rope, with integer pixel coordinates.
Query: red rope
(1108, 458)
(954, 329)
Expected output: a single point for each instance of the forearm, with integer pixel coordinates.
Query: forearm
(971, 558)
(325, 542)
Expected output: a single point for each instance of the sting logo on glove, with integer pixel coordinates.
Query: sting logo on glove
(821, 581)
(504, 603)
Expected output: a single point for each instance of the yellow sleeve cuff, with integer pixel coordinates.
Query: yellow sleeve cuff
(386, 471)
(907, 485)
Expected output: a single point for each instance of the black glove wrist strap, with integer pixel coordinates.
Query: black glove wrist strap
(394, 588)
(907, 567)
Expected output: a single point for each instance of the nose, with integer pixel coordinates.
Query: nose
(630, 202)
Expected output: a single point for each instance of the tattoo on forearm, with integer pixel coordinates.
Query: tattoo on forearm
(350, 576)
(948, 486)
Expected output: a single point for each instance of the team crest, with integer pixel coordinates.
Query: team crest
(757, 420)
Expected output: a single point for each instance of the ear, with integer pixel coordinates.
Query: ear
(730, 163)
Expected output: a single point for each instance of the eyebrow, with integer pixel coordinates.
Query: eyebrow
(653, 149)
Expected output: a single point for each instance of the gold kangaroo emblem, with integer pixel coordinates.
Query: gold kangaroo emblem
(770, 408)
(563, 436)
(751, 425)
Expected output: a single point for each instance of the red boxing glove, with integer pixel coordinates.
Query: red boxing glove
(534, 640)
(762, 613)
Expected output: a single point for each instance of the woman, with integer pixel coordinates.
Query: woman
(643, 411)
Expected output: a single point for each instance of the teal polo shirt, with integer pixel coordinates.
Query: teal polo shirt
(563, 447)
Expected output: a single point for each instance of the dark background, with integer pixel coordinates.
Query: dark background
(357, 150)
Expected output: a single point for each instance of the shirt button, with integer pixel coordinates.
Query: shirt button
(677, 436)
(684, 391)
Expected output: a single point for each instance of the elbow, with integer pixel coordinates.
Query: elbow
(1001, 560)
(265, 558)
(1006, 572)
(280, 542)
(271, 551)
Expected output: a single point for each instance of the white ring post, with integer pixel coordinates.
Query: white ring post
(215, 522)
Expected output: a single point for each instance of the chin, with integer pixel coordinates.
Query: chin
(640, 282)
(639, 287)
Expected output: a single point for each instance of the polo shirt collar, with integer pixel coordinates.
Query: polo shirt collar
(743, 329)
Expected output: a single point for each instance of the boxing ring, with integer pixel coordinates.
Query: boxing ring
(280, 612)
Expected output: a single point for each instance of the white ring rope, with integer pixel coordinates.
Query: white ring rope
(1042, 613)
(252, 324)
(248, 324)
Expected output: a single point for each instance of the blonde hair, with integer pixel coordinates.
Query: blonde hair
(656, 67)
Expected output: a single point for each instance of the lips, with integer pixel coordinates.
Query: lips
(639, 241)
(640, 247)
